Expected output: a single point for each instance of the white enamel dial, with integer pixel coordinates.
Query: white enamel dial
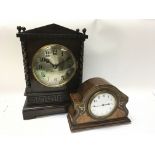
(102, 104)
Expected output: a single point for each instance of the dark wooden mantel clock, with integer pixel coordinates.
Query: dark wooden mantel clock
(97, 103)
(53, 64)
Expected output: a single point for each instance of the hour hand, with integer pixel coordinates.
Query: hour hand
(48, 61)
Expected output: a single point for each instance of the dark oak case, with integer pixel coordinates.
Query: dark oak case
(42, 100)
(78, 114)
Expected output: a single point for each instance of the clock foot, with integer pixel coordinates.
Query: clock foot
(80, 127)
(32, 111)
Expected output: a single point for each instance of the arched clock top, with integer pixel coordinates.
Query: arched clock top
(92, 85)
(97, 103)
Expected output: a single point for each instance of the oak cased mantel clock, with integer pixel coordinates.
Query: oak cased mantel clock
(97, 103)
(53, 65)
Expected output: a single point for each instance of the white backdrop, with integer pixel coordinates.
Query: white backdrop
(121, 51)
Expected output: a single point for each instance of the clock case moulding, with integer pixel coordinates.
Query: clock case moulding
(41, 100)
(78, 113)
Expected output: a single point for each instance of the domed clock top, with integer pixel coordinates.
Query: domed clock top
(97, 103)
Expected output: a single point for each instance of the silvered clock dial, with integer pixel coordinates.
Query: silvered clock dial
(54, 65)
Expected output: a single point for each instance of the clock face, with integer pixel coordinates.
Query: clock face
(102, 104)
(54, 65)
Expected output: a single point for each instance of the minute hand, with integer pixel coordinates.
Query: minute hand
(105, 104)
(63, 64)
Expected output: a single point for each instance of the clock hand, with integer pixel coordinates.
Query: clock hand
(48, 61)
(64, 64)
(61, 63)
(102, 105)
(105, 104)
(96, 106)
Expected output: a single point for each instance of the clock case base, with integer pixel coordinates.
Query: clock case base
(84, 126)
(31, 111)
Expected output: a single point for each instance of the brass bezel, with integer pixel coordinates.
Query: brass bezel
(94, 95)
(58, 85)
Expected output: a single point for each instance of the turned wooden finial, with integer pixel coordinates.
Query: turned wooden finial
(23, 28)
(84, 31)
(19, 28)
